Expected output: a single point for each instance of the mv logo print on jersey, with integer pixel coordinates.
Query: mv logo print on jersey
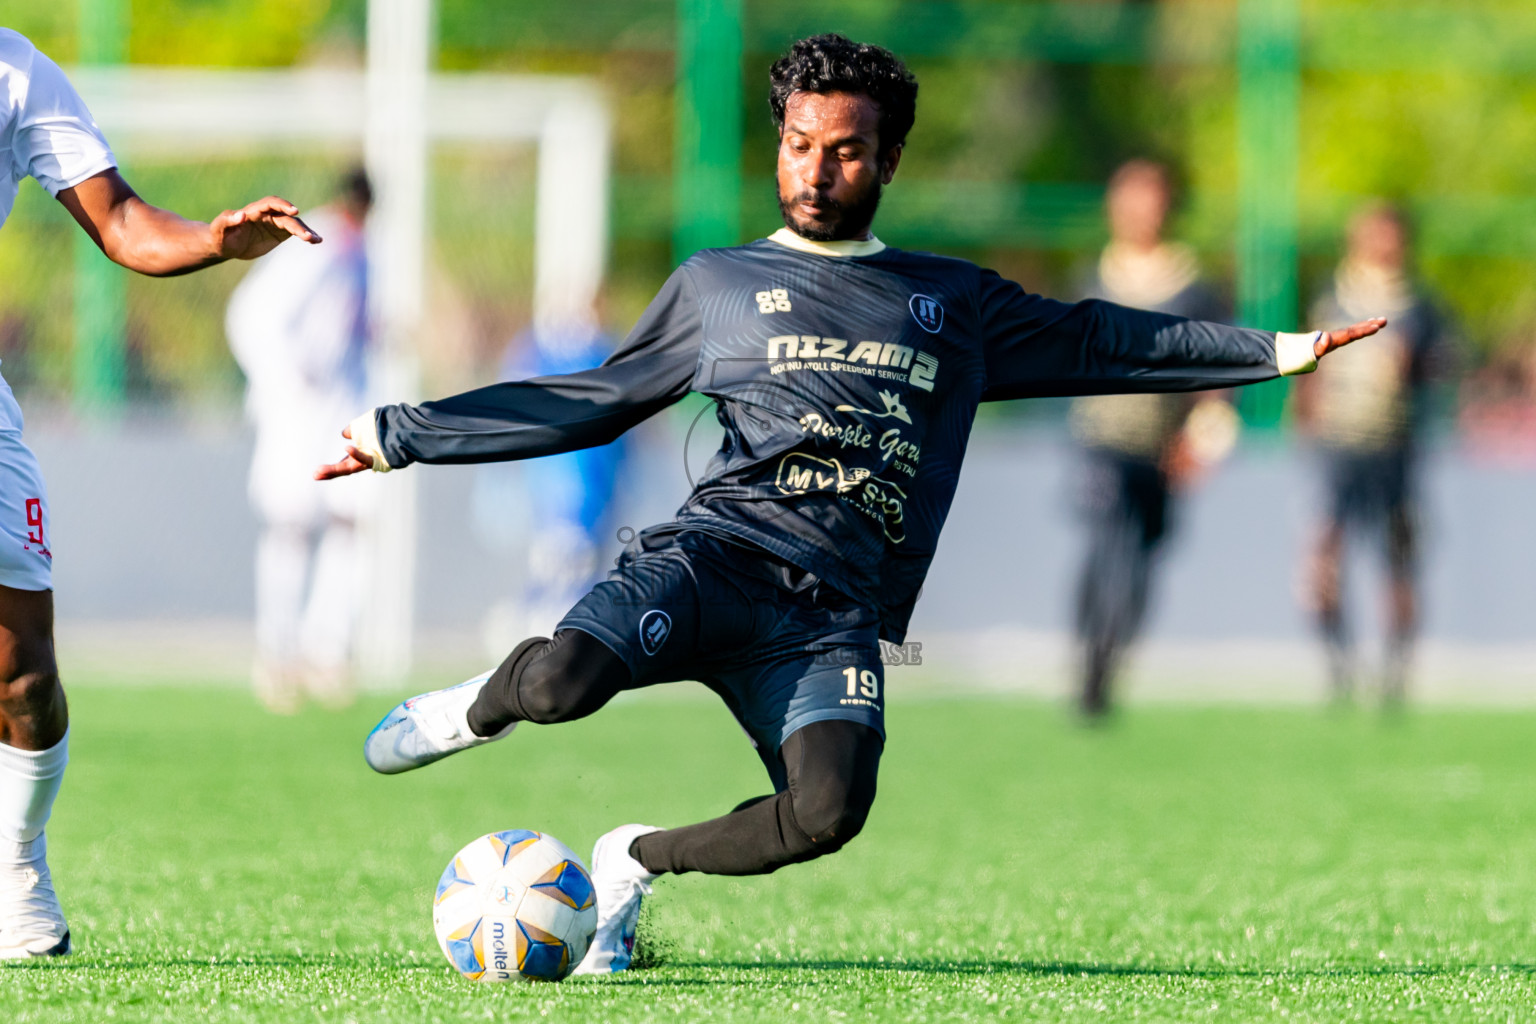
(655, 627)
(927, 312)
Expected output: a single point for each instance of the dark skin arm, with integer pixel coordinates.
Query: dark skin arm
(160, 243)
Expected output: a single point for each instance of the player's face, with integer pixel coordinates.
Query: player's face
(1138, 208)
(1379, 239)
(830, 165)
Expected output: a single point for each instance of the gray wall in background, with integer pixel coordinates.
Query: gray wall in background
(1232, 567)
(150, 521)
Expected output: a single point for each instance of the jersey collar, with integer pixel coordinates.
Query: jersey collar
(864, 247)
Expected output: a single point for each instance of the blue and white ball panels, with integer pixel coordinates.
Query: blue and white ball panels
(515, 905)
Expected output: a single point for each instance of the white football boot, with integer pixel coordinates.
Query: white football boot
(427, 728)
(621, 883)
(31, 920)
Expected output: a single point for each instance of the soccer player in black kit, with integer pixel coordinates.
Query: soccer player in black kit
(847, 374)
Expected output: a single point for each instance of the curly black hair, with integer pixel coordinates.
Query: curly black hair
(834, 63)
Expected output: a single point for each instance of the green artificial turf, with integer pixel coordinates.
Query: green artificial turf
(219, 864)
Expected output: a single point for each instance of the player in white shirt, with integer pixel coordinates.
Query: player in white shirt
(47, 133)
(297, 326)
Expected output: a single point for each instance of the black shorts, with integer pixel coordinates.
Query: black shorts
(1374, 490)
(1121, 489)
(782, 649)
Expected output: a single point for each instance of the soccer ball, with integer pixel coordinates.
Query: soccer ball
(515, 905)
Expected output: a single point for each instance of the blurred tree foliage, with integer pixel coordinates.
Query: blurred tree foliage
(1005, 164)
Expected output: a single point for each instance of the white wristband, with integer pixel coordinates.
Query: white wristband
(365, 438)
(1294, 353)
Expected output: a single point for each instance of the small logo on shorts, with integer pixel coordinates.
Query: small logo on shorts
(655, 627)
(927, 312)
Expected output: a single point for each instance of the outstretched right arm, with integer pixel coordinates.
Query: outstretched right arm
(55, 141)
(546, 415)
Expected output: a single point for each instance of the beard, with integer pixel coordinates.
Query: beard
(848, 219)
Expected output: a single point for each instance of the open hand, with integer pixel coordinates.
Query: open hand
(257, 228)
(1338, 339)
(355, 462)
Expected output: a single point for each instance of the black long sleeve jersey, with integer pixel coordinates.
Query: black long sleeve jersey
(846, 377)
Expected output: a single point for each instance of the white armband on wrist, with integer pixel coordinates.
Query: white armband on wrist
(1294, 353)
(365, 438)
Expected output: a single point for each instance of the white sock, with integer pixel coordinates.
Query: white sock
(29, 780)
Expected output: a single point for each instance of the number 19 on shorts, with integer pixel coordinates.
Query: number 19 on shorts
(862, 683)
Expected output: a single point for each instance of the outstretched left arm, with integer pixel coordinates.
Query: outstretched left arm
(1037, 347)
(159, 243)
(526, 419)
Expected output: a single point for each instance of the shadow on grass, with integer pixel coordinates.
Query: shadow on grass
(666, 974)
(1062, 968)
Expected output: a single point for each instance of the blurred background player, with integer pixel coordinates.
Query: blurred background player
(46, 133)
(1366, 412)
(297, 326)
(1140, 449)
(567, 497)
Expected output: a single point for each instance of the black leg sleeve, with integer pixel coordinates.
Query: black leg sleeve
(548, 681)
(831, 768)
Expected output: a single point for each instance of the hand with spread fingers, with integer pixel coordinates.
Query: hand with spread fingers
(257, 228)
(1332, 340)
(355, 462)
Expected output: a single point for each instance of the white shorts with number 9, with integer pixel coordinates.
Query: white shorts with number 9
(26, 563)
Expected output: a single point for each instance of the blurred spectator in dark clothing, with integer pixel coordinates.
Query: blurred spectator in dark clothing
(1140, 449)
(1366, 411)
